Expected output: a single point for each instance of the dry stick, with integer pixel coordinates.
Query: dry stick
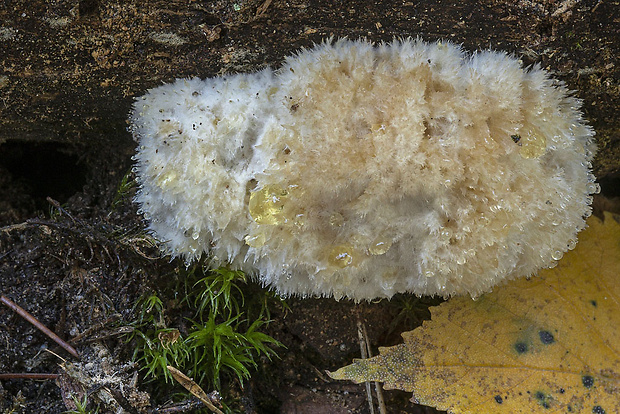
(364, 351)
(10, 228)
(378, 389)
(28, 375)
(97, 327)
(262, 8)
(182, 407)
(24, 314)
(194, 388)
(62, 210)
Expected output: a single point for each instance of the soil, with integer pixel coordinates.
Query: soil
(80, 272)
(71, 248)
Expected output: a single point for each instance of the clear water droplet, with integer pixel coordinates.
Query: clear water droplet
(594, 188)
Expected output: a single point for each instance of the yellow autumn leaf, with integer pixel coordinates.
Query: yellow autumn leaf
(548, 344)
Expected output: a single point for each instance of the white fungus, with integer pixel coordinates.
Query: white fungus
(361, 171)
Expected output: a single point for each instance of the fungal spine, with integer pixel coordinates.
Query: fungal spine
(361, 171)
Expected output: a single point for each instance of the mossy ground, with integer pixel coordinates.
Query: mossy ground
(81, 268)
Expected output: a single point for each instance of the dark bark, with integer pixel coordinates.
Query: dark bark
(71, 68)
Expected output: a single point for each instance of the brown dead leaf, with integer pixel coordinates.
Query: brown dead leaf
(550, 344)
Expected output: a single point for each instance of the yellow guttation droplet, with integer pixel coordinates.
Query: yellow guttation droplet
(267, 204)
(256, 240)
(533, 145)
(380, 246)
(342, 256)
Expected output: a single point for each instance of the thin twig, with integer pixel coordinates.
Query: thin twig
(24, 314)
(320, 374)
(91, 234)
(27, 375)
(182, 407)
(378, 389)
(364, 352)
(8, 229)
(97, 327)
(62, 210)
(262, 8)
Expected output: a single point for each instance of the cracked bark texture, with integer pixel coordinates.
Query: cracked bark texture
(70, 69)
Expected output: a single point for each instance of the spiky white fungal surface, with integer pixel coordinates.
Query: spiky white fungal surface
(361, 171)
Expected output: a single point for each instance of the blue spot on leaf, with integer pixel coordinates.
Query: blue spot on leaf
(521, 347)
(587, 381)
(546, 337)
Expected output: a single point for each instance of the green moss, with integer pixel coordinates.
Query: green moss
(125, 188)
(209, 331)
(81, 407)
